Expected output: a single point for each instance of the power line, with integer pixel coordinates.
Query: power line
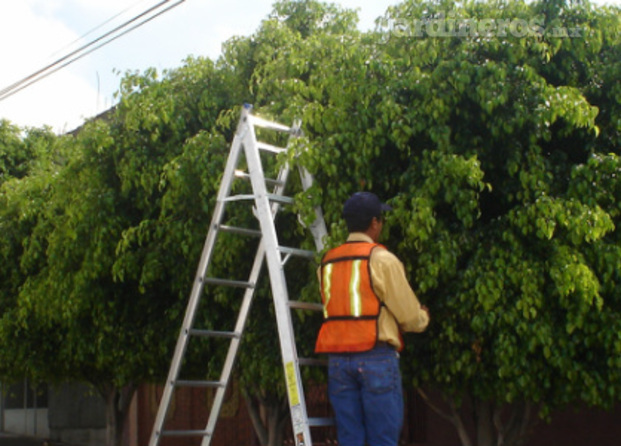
(84, 50)
(101, 25)
(40, 74)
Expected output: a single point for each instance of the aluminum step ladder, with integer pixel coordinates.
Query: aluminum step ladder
(266, 205)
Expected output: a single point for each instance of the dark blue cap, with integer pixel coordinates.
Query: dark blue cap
(364, 204)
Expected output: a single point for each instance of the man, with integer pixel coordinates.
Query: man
(367, 303)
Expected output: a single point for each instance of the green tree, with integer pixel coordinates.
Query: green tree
(29, 160)
(487, 141)
(93, 295)
(494, 135)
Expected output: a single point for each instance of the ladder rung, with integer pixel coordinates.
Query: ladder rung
(259, 122)
(297, 252)
(242, 231)
(318, 422)
(215, 334)
(270, 148)
(186, 433)
(280, 199)
(226, 282)
(268, 181)
(242, 197)
(188, 383)
(313, 362)
(272, 197)
(299, 305)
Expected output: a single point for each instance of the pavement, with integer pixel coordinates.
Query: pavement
(18, 440)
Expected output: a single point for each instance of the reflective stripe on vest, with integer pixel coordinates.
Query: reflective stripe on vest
(355, 299)
(327, 278)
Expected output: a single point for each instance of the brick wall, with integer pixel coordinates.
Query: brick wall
(422, 427)
(190, 410)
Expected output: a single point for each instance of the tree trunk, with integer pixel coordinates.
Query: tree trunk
(452, 415)
(117, 401)
(484, 423)
(269, 415)
(494, 424)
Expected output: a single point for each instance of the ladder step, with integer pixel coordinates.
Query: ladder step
(241, 231)
(319, 422)
(270, 148)
(297, 252)
(210, 384)
(269, 181)
(226, 282)
(186, 433)
(248, 197)
(313, 362)
(215, 334)
(259, 122)
(299, 305)
(280, 199)
(243, 197)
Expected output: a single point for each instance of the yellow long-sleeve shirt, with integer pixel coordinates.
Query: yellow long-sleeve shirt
(402, 311)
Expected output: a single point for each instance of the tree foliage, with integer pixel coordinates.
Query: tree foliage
(482, 139)
(492, 127)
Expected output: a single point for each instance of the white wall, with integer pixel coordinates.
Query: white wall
(22, 422)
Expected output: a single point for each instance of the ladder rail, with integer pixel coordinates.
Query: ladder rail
(318, 227)
(244, 310)
(297, 405)
(231, 356)
(198, 285)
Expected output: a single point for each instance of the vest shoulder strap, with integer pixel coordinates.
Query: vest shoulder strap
(350, 251)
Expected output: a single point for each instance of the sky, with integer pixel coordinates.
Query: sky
(35, 33)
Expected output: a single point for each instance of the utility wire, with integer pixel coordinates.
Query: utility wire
(92, 30)
(69, 58)
(7, 91)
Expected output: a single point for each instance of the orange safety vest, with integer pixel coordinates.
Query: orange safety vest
(351, 307)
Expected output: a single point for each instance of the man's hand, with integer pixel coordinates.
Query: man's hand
(426, 310)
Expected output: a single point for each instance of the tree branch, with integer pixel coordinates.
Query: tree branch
(527, 423)
(126, 397)
(255, 417)
(500, 428)
(453, 417)
(521, 422)
(434, 407)
(484, 422)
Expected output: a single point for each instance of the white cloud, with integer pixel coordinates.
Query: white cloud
(47, 103)
(38, 29)
(29, 37)
(33, 30)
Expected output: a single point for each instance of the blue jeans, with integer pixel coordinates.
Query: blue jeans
(367, 398)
